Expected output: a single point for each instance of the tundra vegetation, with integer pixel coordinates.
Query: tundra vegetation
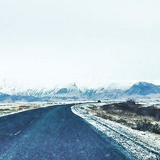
(129, 113)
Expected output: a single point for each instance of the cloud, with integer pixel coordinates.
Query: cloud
(64, 41)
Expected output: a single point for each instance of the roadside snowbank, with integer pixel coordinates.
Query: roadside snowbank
(143, 145)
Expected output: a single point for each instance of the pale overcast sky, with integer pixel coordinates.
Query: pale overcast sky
(64, 41)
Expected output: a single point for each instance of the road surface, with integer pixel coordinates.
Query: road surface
(54, 133)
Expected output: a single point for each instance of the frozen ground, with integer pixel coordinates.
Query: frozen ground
(144, 145)
(11, 108)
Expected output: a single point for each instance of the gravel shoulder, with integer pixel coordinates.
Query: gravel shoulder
(143, 145)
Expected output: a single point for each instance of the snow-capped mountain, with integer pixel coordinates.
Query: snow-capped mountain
(143, 88)
(73, 92)
(4, 97)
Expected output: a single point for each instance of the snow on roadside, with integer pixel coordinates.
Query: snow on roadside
(13, 107)
(144, 146)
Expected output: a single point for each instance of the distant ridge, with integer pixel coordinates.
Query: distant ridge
(143, 88)
(73, 92)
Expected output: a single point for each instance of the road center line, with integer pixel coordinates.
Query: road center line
(17, 133)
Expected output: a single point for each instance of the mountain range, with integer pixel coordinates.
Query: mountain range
(73, 92)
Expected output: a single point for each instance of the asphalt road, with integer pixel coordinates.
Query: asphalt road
(54, 133)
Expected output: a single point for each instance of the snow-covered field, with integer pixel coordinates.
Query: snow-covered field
(143, 145)
(12, 108)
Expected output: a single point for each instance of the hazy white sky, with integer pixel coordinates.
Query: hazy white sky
(64, 41)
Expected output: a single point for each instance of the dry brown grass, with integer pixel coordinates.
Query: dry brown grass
(131, 114)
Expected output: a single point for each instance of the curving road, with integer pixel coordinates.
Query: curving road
(54, 133)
